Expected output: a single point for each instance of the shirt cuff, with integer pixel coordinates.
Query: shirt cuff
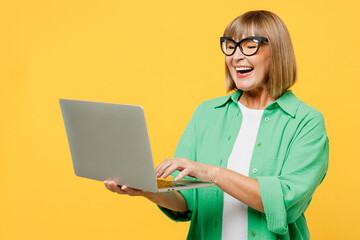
(274, 206)
(176, 216)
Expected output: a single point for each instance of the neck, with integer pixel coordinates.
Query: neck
(256, 99)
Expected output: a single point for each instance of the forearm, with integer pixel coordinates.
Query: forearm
(171, 200)
(241, 187)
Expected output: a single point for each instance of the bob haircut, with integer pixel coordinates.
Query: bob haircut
(282, 70)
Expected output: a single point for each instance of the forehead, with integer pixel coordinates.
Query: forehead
(241, 30)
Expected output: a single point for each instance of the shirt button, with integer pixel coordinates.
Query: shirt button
(267, 119)
(220, 162)
(229, 138)
(253, 234)
(259, 144)
(254, 170)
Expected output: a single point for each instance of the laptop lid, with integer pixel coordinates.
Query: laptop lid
(109, 142)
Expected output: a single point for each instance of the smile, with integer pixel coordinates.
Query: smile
(243, 71)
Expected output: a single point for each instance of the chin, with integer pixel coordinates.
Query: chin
(242, 85)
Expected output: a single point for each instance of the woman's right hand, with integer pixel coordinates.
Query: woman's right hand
(112, 186)
(172, 200)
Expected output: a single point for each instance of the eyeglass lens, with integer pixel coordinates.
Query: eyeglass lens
(247, 47)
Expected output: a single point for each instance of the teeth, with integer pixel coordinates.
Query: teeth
(243, 68)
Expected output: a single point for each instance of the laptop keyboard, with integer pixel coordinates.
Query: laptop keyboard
(168, 184)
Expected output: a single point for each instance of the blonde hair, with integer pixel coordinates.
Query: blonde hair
(282, 71)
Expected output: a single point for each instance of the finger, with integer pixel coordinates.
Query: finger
(179, 164)
(108, 186)
(162, 167)
(132, 191)
(165, 160)
(176, 165)
(162, 164)
(182, 174)
(115, 188)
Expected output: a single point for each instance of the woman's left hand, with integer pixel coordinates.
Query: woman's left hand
(203, 172)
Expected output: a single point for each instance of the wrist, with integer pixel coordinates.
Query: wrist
(216, 174)
(150, 195)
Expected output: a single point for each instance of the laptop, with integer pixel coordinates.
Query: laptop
(110, 141)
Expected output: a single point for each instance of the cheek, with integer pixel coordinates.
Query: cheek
(264, 65)
(267, 66)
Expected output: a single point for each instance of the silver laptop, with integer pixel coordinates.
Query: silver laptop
(110, 142)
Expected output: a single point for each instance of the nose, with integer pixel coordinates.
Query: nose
(238, 54)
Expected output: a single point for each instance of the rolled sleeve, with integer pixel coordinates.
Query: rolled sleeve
(181, 216)
(274, 206)
(287, 196)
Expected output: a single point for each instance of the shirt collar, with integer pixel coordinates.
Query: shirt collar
(287, 102)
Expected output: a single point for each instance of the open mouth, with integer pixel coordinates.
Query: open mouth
(244, 70)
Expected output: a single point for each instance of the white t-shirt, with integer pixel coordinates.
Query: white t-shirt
(235, 215)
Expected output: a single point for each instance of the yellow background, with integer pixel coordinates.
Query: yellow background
(165, 56)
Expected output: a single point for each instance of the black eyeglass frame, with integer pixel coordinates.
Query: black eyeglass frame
(238, 44)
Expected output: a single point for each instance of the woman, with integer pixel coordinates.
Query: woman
(265, 150)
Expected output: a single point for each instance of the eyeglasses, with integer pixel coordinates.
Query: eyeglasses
(248, 46)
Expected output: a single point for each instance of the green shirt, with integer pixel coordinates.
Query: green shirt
(290, 160)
